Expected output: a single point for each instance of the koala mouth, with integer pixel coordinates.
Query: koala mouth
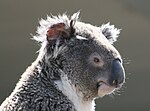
(104, 88)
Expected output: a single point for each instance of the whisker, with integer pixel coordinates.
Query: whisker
(126, 61)
(112, 95)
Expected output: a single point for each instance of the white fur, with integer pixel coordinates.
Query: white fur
(58, 50)
(81, 38)
(42, 50)
(114, 32)
(74, 95)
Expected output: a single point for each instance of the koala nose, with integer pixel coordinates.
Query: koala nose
(117, 73)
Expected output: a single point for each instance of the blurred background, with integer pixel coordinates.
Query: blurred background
(19, 19)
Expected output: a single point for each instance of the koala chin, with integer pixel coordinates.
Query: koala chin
(77, 63)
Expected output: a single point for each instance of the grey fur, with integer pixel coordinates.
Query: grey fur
(42, 85)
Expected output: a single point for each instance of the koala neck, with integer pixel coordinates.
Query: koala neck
(75, 96)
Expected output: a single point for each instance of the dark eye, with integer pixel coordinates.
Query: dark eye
(96, 60)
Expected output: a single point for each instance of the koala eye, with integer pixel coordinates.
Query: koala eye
(96, 60)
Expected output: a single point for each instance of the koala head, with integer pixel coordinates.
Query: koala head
(84, 53)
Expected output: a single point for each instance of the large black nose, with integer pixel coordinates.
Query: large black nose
(117, 73)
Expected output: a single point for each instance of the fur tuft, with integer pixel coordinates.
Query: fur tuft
(110, 32)
(75, 16)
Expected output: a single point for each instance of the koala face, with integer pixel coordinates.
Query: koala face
(85, 53)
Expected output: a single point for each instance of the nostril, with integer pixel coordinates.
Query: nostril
(115, 82)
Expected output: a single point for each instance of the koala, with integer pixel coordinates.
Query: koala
(77, 63)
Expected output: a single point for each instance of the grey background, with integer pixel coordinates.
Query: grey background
(19, 18)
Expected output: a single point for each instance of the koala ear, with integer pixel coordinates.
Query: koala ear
(110, 32)
(55, 27)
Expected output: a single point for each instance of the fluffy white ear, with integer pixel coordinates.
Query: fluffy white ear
(110, 32)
